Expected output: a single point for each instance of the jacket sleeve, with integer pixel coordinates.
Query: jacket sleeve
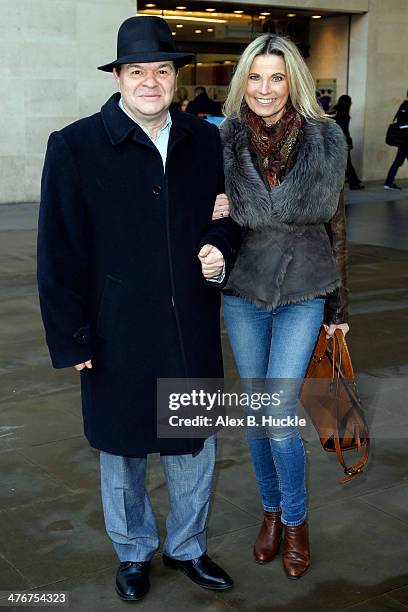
(225, 234)
(62, 258)
(336, 305)
(400, 115)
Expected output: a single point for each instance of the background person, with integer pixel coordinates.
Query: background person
(325, 99)
(202, 104)
(284, 173)
(402, 152)
(342, 118)
(183, 105)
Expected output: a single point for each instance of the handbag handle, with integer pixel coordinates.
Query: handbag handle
(340, 356)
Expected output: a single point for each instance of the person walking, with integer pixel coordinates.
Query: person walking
(129, 263)
(402, 152)
(284, 163)
(342, 118)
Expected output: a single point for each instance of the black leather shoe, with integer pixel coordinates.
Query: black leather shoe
(132, 580)
(202, 571)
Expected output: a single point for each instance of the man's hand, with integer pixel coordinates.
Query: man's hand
(330, 329)
(81, 366)
(221, 207)
(212, 261)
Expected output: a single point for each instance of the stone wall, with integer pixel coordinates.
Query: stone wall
(49, 50)
(328, 50)
(387, 82)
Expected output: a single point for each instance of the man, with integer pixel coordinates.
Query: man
(202, 104)
(402, 152)
(128, 259)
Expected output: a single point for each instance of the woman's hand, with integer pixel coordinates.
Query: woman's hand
(221, 207)
(330, 329)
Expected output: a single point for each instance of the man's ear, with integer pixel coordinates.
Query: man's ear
(116, 76)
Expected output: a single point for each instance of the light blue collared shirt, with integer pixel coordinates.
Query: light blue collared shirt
(161, 142)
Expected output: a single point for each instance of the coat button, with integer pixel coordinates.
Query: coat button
(157, 189)
(81, 336)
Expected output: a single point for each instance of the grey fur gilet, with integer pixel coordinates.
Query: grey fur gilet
(286, 255)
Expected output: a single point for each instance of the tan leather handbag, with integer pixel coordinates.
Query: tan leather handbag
(329, 395)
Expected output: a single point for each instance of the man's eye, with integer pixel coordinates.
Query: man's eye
(137, 72)
(163, 71)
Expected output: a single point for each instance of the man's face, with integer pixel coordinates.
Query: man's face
(147, 88)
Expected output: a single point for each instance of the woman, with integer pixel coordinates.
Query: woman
(284, 168)
(342, 117)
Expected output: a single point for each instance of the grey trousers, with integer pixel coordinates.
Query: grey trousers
(129, 517)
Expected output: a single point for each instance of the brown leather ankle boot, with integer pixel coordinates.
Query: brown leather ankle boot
(269, 538)
(296, 553)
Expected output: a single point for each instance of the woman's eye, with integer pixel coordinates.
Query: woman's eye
(253, 77)
(277, 77)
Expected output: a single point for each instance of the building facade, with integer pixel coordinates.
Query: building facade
(50, 50)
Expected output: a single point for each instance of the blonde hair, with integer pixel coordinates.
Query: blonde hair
(302, 91)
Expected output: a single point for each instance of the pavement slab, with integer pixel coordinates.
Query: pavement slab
(52, 535)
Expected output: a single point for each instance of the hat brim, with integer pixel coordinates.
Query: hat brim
(181, 59)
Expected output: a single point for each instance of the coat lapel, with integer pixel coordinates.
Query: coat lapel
(180, 129)
(119, 126)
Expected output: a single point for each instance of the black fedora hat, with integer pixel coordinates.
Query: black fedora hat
(146, 39)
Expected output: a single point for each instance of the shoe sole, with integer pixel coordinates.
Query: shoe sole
(263, 562)
(259, 562)
(130, 598)
(204, 586)
(297, 577)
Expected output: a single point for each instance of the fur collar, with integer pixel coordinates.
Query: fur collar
(308, 194)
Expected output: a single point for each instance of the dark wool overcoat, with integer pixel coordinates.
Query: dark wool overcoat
(119, 278)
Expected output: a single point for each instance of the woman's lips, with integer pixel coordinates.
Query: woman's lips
(265, 100)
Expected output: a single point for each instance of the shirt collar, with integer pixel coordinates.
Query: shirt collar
(166, 126)
(119, 126)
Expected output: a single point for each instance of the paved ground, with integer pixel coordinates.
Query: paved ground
(51, 529)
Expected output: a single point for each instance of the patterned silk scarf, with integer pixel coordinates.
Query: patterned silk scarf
(273, 144)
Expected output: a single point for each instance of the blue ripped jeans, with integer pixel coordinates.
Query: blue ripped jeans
(270, 345)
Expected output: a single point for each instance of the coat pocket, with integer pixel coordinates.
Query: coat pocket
(109, 307)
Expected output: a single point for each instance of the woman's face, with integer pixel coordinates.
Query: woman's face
(267, 89)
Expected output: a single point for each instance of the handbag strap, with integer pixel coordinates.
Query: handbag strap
(345, 366)
(351, 472)
(341, 358)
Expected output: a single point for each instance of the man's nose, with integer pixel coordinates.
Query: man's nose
(150, 80)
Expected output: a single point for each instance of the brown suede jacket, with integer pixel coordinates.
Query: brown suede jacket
(336, 306)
